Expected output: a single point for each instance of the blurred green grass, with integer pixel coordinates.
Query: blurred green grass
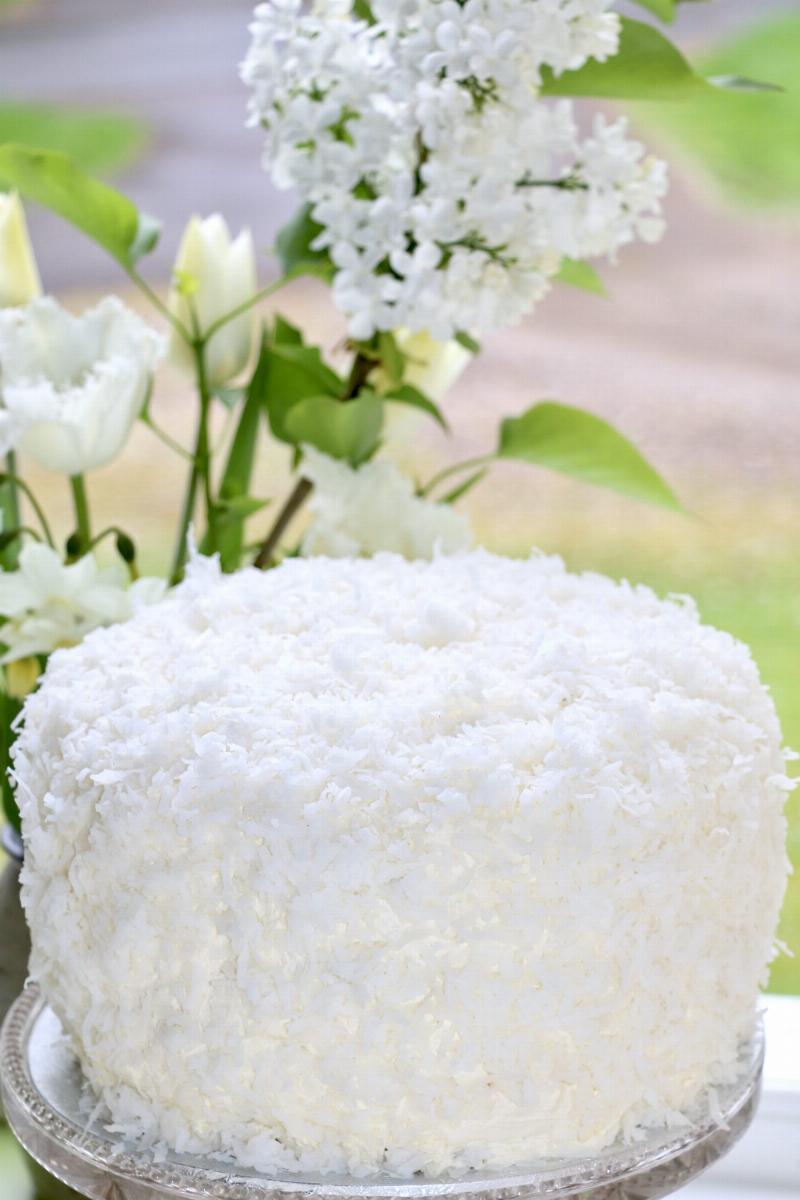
(748, 142)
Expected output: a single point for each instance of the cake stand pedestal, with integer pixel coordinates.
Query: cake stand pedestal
(46, 1106)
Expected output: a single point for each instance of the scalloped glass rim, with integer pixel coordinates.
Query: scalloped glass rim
(45, 1118)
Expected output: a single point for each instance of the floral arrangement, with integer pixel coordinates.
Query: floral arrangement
(445, 184)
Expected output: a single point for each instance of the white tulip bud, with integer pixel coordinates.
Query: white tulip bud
(73, 386)
(19, 275)
(432, 367)
(213, 275)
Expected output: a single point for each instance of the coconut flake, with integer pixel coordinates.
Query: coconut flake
(418, 866)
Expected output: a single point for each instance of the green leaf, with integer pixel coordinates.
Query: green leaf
(294, 373)
(347, 430)
(665, 9)
(584, 446)
(580, 275)
(468, 342)
(236, 509)
(9, 516)
(286, 334)
(363, 11)
(417, 399)
(392, 358)
(741, 83)
(748, 143)
(241, 458)
(103, 214)
(147, 235)
(95, 141)
(9, 710)
(294, 250)
(647, 67)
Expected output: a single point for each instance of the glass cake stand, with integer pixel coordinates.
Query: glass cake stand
(45, 1100)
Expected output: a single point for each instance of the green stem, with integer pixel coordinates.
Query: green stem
(160, 306)
(469, 464)
(187, 512)
(204, 441)
(22, 486)
(200, 471)
(569, 183)
(9, 504)
(241, 309)
(164, 437)
(302, 490)
(81, 505)
(12, 510)
(101, 537)
(31, 532)
(115, 531)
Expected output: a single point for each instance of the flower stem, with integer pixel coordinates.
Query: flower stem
(456, 469)
(81, 505)
(241, 309)
(200, 471)
(21, 485)
(13, 497)
(302, 490)
(9, 504)
(204, 441)
(164, 437)
(159, 305)
(187, 512)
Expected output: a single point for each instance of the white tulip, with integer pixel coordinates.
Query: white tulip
(358, 513)
(72, 387)
(213, 276)
(431, 367)
(48, 604)
(19, 275)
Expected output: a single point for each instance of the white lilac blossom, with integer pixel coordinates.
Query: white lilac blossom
(72, 387)
(214, 274)
(359, 512)
(447, 190)
(410, 867)
(19, 274)
(47, 604)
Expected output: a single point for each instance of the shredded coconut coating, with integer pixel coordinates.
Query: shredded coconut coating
(417, 866)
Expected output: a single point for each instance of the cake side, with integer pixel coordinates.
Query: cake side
(423, 866)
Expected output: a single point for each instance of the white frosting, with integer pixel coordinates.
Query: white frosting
(418, 865)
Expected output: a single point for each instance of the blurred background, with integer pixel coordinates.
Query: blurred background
(695, 354)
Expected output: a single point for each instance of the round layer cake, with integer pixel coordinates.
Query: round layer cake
(417, 867)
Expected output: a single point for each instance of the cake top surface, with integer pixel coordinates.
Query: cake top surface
(377, 659)
(379, 666)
